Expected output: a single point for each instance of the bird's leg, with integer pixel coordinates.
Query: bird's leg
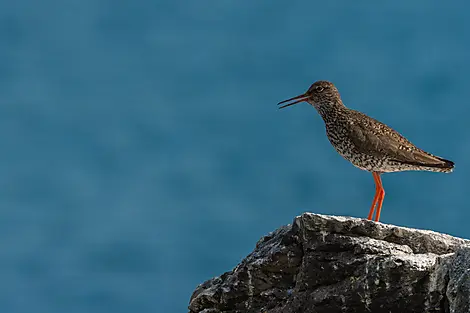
(376, 196)
(380, 200)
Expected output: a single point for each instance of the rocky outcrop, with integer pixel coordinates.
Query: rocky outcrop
(338, 264)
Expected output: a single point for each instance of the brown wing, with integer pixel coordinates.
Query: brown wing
(375, 138)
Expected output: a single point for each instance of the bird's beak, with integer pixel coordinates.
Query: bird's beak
(300, 98)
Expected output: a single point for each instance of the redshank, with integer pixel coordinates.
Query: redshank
(367, 143)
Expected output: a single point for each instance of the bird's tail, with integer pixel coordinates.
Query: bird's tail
(441, 166)
(447, 166)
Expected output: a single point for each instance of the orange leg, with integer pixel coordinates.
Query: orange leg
(376, 196)
(380, 199)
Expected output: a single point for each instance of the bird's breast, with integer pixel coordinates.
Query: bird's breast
(340, 140)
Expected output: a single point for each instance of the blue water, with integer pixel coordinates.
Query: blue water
(142, 151)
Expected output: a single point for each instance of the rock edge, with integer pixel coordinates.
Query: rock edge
(331, 264)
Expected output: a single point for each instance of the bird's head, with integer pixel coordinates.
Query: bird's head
(320, 95)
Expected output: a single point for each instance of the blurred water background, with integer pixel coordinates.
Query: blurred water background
(143, 152)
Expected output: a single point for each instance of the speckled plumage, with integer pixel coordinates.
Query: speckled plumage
(367, 143)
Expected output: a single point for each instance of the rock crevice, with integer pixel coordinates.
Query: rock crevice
(338, 264)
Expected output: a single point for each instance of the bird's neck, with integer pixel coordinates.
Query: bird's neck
(331, 109)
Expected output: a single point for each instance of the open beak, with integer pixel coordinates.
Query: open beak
(300, 98)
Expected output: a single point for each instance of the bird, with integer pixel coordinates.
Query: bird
(368, 144)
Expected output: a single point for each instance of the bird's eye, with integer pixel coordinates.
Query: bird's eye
(319, 88)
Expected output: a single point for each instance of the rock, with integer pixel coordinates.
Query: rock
(339, 264)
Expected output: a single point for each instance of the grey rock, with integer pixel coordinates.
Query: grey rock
(340, 264)
(458, 290)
